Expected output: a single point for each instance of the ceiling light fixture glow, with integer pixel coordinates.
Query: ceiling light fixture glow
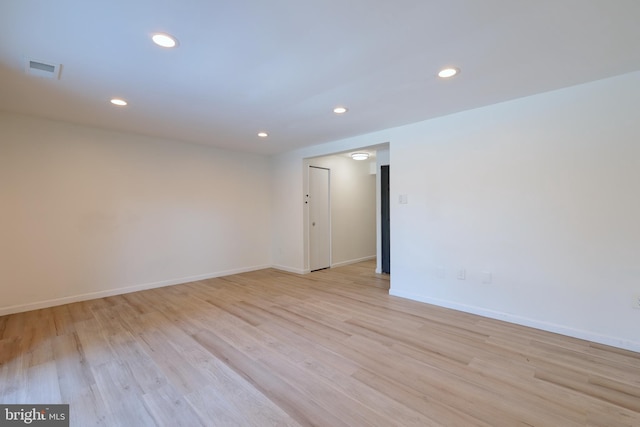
(360, 156)
(263, 134)
(340, 110)
(445, 73)
(164, 40)
(119, 102)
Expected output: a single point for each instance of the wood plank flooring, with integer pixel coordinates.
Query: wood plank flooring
(331, 348)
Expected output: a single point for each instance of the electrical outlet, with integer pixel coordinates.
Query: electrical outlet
(636, 301)
(462, 274)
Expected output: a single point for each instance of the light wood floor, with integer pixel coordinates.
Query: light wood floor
(331, 348)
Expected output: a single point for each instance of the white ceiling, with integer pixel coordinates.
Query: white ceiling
(243, 66)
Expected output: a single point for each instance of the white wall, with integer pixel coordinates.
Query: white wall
(353, 208)
(88, 212)
(287, 238)
(542, 192)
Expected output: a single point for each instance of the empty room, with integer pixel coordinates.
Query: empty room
(319, 213)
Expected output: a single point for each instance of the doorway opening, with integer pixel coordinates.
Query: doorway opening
(354, 218)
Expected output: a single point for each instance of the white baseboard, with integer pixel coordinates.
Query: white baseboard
(289, 269)
(121, 290)
(337, 264)
(352, 261)
(524, 321)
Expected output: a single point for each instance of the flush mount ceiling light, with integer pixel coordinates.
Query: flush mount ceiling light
(445, 73)
(164, 40)
(360, 156)
(263, 134)
(340, 110)
(119, 102)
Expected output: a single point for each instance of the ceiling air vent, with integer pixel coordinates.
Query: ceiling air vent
(42, 69)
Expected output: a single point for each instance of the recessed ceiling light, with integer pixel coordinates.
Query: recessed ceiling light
(119, 102)
(360, 156)
(340, 110)
(263, 134)
(448, 72)
(164, 40)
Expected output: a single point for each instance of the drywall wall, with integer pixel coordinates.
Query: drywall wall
(87, 212)
(353, 208)
(287, 225)
(538, 193)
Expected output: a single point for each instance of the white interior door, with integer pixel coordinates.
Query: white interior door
(319, 219)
